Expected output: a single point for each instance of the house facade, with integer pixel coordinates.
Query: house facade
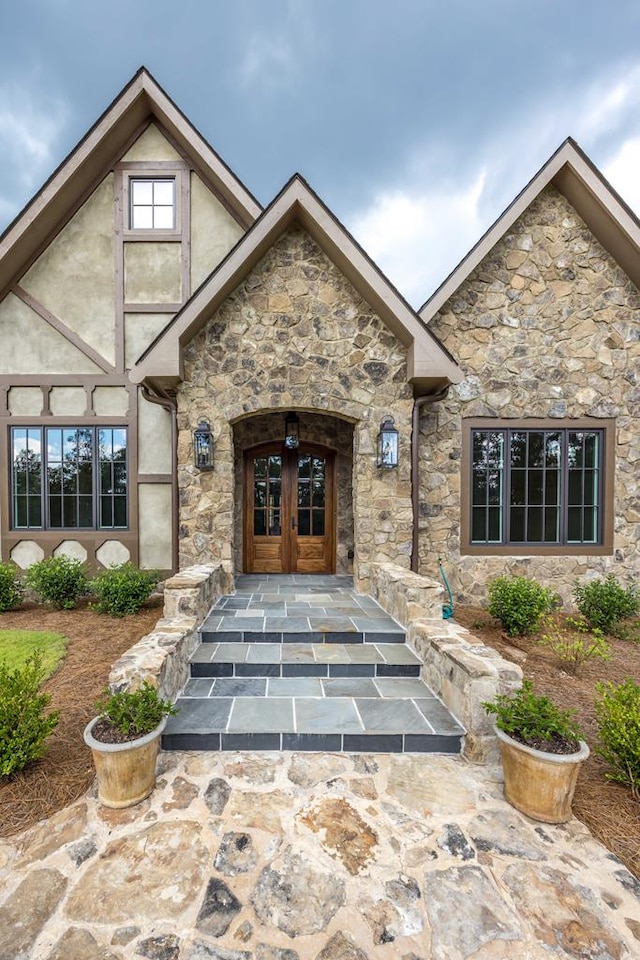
(147, 300)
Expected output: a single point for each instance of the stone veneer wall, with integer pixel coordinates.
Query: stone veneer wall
(546, 326)
(328, 431)
(295, 335)
(457, 667)
(162, 656)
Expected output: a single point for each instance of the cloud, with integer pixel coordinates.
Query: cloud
(420, 227)
(622, 172)
(418, 236)
(268, 62)
(29, 130)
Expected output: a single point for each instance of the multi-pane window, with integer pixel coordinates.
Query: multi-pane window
(311, 496)
(69, 477)
(536, 486)
(152, 204)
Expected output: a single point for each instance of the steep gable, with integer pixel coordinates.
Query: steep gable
(428, 364)
(573, 174)
(141, 103)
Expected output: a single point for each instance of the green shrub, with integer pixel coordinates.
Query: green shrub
(24, 727)
(61, 581)
(530, 718)
(604, 602)
(573, 643)
(10, 586)
(618, 716)
(123, 589)
(518, 603)
(135, 712)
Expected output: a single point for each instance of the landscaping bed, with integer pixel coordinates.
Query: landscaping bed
(66, 771)
(608, 809)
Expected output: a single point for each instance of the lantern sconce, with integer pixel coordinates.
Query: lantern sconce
(388, 444)
(291, 431)
(203, 446)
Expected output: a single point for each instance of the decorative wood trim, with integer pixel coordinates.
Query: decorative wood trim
(152, 307)
(61, 327)
(63, 379)
(154, 478)
(152, 166)
(152, 236)
(118, 272)
(185, 223)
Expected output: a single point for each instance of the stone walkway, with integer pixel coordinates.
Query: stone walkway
(295, 856)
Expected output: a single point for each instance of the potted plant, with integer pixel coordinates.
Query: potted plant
(124, 739)
(541, 750)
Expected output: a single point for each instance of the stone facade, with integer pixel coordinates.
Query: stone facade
(545, 327)
(295, 335)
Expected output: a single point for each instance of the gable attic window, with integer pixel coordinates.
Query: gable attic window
(152, 203)
(538, 487)
(69, 478)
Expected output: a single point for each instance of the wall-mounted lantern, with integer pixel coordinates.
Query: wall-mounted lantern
(388, 444)
(291, 432)
(203, 446)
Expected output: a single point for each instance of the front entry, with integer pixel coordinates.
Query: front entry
(289, 509)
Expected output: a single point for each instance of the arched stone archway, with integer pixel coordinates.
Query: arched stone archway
(317, 428)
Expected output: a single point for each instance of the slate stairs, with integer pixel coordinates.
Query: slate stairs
(303, 662)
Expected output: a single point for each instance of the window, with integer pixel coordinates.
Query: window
(537, 487)
(69, 477)
(152, 204)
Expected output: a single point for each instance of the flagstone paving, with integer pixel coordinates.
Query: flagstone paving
(292, 856)
(304, 662)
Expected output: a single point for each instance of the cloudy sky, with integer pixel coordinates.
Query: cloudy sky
(417, 121)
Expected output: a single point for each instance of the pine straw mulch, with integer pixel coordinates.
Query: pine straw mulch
(66, 771)
(608, 809)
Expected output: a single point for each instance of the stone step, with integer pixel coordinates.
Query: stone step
(382, 715)
(289, 634)
(304, 660)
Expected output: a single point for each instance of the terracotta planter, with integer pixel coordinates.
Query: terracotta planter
(539, 784)
(126, 771)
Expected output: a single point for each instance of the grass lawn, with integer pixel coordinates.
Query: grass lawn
(17, 645)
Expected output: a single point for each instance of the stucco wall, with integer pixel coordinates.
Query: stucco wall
(29, 345)
(295, 335)
(546, 326)
(213, 231)
(77, 269)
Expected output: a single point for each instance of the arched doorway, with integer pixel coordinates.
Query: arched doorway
(289, 509)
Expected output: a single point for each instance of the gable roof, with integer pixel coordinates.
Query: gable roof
(577, 178)
(429, 364)
(141, 102)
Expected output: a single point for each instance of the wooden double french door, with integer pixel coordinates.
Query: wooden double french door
(289, 509)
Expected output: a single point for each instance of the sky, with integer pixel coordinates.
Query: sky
(416, 121)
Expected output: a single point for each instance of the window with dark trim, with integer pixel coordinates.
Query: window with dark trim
(69, 478)
(152, 203)
(539, 487)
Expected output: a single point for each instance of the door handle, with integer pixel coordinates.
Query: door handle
(293, 523)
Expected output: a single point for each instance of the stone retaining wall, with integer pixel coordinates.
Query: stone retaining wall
(162, 656)
(457, 667)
